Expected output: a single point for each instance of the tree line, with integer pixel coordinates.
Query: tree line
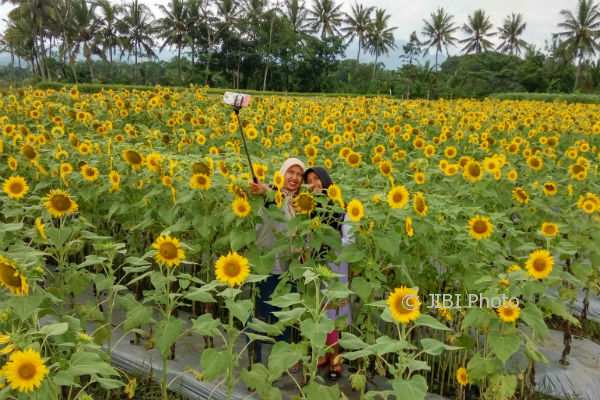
(276, 44)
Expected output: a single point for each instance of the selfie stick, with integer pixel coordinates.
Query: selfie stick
(236, 109)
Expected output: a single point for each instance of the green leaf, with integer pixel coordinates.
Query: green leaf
(292, 315)
(504, 345)
(388, 243)
(479, 367)
(362, 288)
(206, 325)
(560, 309)
(355, 355)
(429, 321)
(316, 332)
(314, 391)
(259, 379)
(435, 347)
(11, 227)
(137, 316)
(262, 327)
(200, 294)
(351, 254)
(502, 387)
(351, 342)
(214, 363)
(476, 318)
(285, 300)
(414, 388)
(534, 318)
(241, 309)
(167, 332)
(25, 306)
(283, 357)
(88, 363)
(386, 344)
(55, 329)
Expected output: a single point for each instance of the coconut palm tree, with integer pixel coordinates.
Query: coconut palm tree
(108, 20)
(380, 36)
(479, 30)
(173, 28)
(357, 25)
(439, 33)
(297, 15)
(510, 33)
(137, 27)
(581, 32)
(86, 29)
(326, 17)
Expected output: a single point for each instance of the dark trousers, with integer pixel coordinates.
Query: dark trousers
(265, 312)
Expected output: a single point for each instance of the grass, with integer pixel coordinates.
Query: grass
(96, 87)
(550, 97)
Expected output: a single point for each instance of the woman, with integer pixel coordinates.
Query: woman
(292, 171)
(319, 181)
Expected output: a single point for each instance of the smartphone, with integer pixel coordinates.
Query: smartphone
(238, 100)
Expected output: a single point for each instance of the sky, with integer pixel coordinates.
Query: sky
(541, 16)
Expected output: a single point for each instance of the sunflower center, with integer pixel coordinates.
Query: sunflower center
(168, 250)
(9, 276)
(27, 371)
(61, 202)
(508, 312)
(353, 159)
(355, 212)
(539, 264)
(134, 157)
(420, 205)
(232, 269)
(241, 208)
(550, 229)
(90, 172)
(29, 152)
(398, 197)
(405, 304)
(16, 187)
(480, 227)
(474, 170)
(200, 180)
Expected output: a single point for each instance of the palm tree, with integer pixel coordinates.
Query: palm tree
(108, 22)
(439, 32)
(478, 28)
(297, 15)
(173, 28)
(138, 29)
(326, 17)
(581, 32)
(510, 32)
(380, 36)
(86, 30)
(357, 25)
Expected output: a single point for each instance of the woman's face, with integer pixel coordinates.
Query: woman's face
(314, 182)
(293, 178)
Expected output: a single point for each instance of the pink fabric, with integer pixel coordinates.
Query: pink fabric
(332, 338)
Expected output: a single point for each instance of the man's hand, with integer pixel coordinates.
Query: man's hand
(258, 188)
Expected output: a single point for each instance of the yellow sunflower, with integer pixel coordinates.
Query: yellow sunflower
(408, 227)
(461, 376)
(550, 189)
(520, 195)
(509, 311)
(133, 158)
(480, 227)
(200, 181)
(539, 264)
(41, 228)
(11, 278)
(589, 204)
(169, 251)
(385, 167)
(549, 229)
(304, 203)
(278, 180)
(334, 192)
(398, 197)
(473, 171)
(355, 210)
(88, 173)
(232, 269)
(241, 207)
(404, 304)
(354, 159)
(15, 187)
(59, 203)
(25, 370)
(420, 204)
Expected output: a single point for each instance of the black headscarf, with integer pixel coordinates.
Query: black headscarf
(323, 175)
(328, 217)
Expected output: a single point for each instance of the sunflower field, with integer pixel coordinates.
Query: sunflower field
(127, 215)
